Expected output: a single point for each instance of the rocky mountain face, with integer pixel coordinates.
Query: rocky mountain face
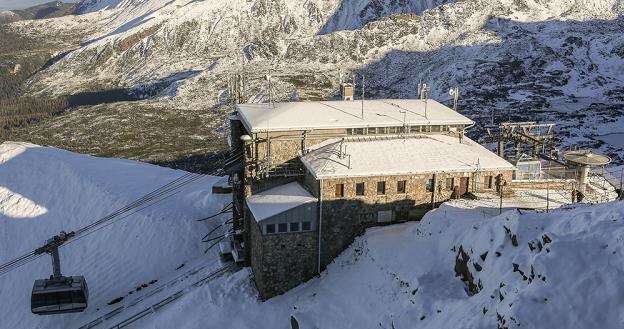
(558, 60)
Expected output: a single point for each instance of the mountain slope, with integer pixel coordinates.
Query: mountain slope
(520, 60)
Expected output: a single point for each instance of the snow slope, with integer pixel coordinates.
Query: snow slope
(528, 270)
(404, 276)
(46, 190)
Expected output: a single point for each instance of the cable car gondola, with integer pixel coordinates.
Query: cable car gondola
(58, 294)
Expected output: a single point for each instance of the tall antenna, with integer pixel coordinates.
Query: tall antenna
(455, 93)
(423, 90)
(268, 78)
(363, 86)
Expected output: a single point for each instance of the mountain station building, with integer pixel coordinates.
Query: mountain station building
(309, 177)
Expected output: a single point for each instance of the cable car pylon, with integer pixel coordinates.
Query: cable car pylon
(58, 294)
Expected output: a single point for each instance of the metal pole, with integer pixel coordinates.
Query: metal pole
(320, 226)
(622, 184)
(363, 86)
(56, 263)
(501, 199)
(547, 195)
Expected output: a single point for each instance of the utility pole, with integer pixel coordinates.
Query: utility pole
(500, 206)
(548, 189)
(622, 184)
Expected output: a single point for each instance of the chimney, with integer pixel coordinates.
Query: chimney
(347, 91)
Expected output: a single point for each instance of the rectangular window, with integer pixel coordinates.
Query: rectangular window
(430, 185)
(381, 188)
(294, 227)
(402, 186)
(392, 130)
(339, 190)
(282, 227)
(435, 129)
(306, 226)
(349, 131)
(359, 189)
(487, 182)
(270, 228)
(359, 131)
(450, 183)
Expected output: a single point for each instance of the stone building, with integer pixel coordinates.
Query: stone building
(309, 177)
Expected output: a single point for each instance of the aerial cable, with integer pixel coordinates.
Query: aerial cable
(142, 202)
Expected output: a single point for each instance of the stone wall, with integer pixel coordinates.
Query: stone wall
(281, 262)
(344, 218)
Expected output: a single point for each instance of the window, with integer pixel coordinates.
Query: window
(270, 228)
(282, 227)
(414, 129)
(450, 183)
(306, 226)
(430, 185)
(359, 189)
(381, 188)
(339, 190)
(435, 129)
(401, 186)
(359, 131)
(392, 130)
(350, 132)
(294, 227)
(487, 182)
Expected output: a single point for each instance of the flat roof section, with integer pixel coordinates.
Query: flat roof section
(346, 114)
(368, 156)
(277, 200)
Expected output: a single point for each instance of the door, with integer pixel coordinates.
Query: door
(463, 185)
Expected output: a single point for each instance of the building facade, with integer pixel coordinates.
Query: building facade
(309, 177)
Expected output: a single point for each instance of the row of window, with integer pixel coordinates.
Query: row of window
(360, 188)
(403, 129)
(288, 227)
(401, 187)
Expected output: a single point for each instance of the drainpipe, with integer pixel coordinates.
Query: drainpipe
(435, 189)
(320, 224)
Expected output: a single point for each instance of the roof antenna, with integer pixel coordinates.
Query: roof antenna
(363, 85)
(423, 90)
(268, 78)
(455, 93)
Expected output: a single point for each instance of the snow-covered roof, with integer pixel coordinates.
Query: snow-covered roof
(346, 114)
(368, 156)
(277, 200)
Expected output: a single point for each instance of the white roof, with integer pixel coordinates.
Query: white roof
(346, 114)
(278, 200)
(400, 156)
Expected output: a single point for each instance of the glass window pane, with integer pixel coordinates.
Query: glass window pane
(359, 189)
(306, 226)
(270, 228)
(282, 227)
(294, 227)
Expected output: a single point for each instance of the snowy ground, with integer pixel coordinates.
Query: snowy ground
(45, 190)
(531, 270)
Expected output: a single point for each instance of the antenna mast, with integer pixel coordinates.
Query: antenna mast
(363, 86)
